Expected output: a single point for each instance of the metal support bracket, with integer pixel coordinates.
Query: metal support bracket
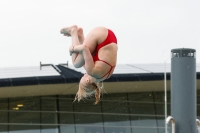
(55, 67)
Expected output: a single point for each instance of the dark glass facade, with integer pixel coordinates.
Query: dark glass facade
(116, 113)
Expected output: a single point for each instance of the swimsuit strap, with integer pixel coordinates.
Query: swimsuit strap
(108, 73)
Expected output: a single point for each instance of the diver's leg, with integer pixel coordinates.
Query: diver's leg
(77, 39)
(87, 57)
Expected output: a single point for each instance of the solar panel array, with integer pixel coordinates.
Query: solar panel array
(16, 72)
(135, 68)
(138, 68)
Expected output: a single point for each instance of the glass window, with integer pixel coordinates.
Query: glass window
(141, 103)
(24, 113)
(88, 117)
(142, 110)
(49, 114)
(3, 115)
(24, 129)
(116, 113)
(66, 114)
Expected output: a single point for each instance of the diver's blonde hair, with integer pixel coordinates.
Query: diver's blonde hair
(87, 91)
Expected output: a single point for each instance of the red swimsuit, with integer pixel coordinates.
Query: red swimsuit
(111, 38)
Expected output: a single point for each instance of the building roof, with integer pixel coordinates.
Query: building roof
(20, 76)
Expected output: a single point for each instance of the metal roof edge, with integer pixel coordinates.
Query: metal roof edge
(71, 76)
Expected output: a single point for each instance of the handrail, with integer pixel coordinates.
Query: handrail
(198, 122)
(171, 119)
(198, 125)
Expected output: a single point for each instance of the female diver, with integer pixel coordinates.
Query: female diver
(97, 53)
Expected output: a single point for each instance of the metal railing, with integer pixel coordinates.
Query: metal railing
(171, 119)
(55, 67)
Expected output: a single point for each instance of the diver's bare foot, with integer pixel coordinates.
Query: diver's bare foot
(80, 35)
(67, 31)
(80, 32)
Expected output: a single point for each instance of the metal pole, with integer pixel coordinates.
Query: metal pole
(165, 86)
(183, 90)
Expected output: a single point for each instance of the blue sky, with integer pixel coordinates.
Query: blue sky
(146, 30)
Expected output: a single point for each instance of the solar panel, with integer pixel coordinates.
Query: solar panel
(138, 68)
(15, 72)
